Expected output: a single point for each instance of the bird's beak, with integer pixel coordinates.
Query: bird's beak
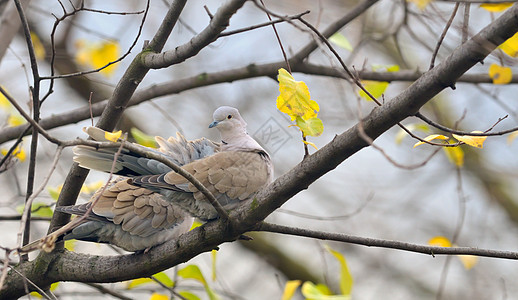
(213, 124)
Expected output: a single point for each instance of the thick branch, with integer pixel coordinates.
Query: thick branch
(217, 24)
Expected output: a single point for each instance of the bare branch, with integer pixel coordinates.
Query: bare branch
(370, 242)
(217, 24)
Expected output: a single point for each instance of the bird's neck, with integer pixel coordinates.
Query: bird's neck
(238, 140)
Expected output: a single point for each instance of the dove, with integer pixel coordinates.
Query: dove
(131, 217)
(235, 173)
(151, 203)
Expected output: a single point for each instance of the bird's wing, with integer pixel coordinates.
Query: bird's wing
(234, 174)
(137, 210)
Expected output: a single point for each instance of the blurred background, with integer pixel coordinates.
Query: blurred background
(366, 196)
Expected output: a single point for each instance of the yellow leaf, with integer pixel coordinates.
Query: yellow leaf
(143, 139)
(213, 256)
(346, 279)
(474, 141)
(70, 245)
(324, 289)
(340, 40)
(290, 288)
(157, 296)
(455, 155)
(385, 68)
(92, 187)
(375, 88)
(310, 143)
(105, 53)
(499, 74)
(310, 127)
(18, 152)
(510, 47)
(310, 291)
(496, 7)
(421, 4)
(195, 224)
(468, 261)
(294, 98)
(431, 138)
(440, 241)
(112, 136)
(412, 127)
(15, 120)
(53, 287)
(511, 137)
(54, 191)
(98, 55)
(39, 49)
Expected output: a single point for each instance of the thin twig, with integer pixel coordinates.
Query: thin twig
(36, 287)
(52, 76)
(107, 291)
(458, 132)
(441, 38)
(245, 29)
(329, 218)
(382, 243)
(28, 204)
(35, 97)
(5, 268)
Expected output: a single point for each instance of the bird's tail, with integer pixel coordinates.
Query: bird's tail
(179, 150)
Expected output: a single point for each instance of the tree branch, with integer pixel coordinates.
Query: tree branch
(217, 24)
(370, 242)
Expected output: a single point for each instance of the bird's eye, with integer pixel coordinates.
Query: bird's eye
(229, 117)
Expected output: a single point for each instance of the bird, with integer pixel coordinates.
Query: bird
(150, 203)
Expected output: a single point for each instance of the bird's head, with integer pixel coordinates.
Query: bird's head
(228, 121)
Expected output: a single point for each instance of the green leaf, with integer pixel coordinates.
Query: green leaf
(311, 292)
(310, 127)
(164, 279)
(54, 192)
(161, 276)
(143, 139)
(346, 279)
(193, 272)
(341, 41)
(39, 209)
(375, 88)
(188, 295)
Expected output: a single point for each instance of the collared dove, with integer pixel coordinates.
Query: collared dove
(232, 171)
